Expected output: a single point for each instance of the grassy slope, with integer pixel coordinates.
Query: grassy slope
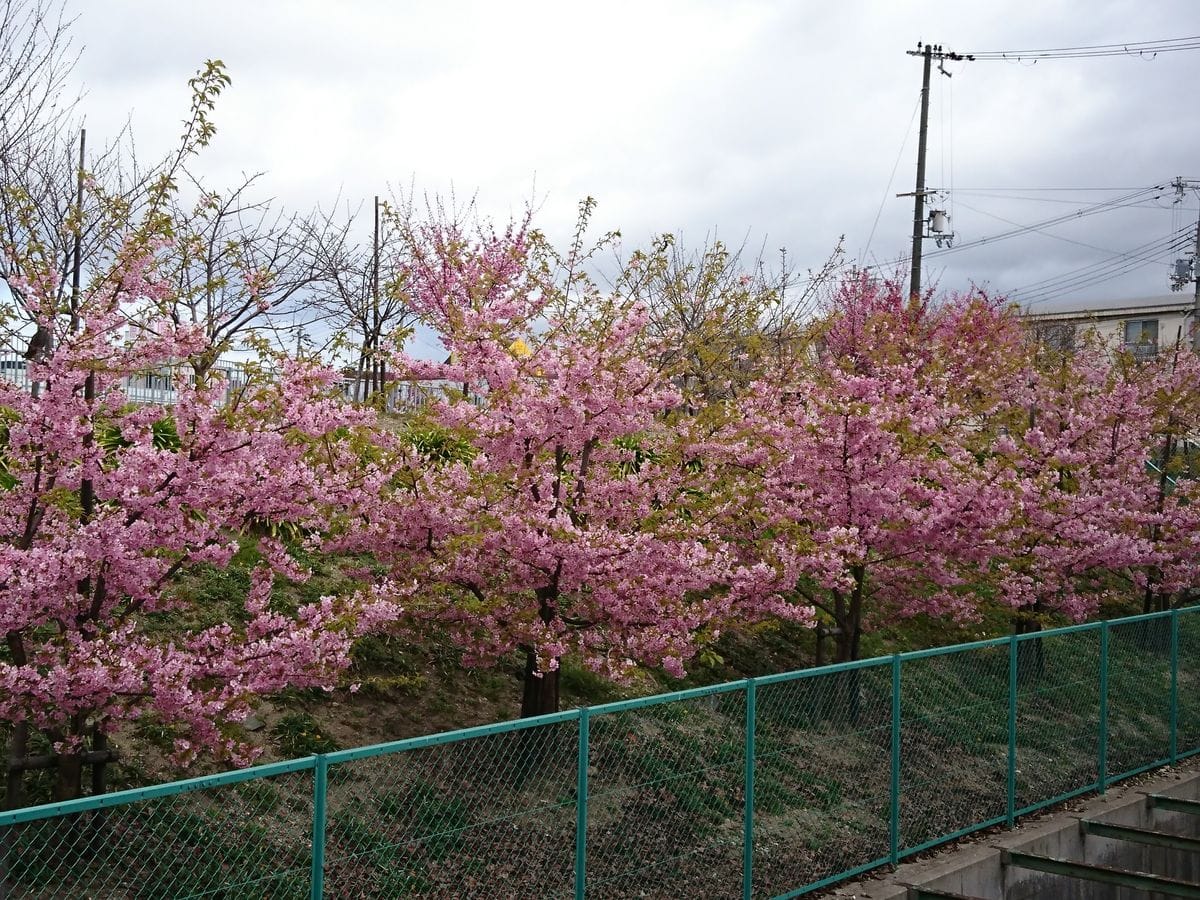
(413, 688)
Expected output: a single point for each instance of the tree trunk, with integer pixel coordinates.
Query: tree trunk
(849, 617)
(541, 689)
(846, 642)
(1031, 654)
(18, 747)
(359, 392)
(96, 836)
(202, 365)
(68, 781)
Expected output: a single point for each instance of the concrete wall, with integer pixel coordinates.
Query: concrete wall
(975, 867)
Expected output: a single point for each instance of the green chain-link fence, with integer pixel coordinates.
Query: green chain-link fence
(770, 787)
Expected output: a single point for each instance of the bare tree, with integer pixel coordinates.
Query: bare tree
(722, 315)
(66, 210)
(239, 262)
(363, 290)
(36, 59)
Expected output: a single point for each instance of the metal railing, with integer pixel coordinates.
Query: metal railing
(768, 787)
(160, 387)
(1141, 351)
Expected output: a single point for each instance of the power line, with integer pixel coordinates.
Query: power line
(1042, 189)
(1088, 276)
(1145, 49)
(1120, 202)
(1080, 213)
(1072, 201)
(1041, 231)
(1162, 244)
(1080, 279)
(892, 177)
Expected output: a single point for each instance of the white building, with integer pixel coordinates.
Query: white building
(1143, 326)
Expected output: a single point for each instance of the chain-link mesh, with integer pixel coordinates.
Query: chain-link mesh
(1058, 714)
(490, 816)
(493, 813)
(954, 742)
(246, 841)
(665, 799)
(822, 777)
(1189, 680)
(1139, 693)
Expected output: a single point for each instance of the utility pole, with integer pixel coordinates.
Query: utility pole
(928, 52)
(77, 246)
(1196, 295)
(377, 359)
(1183, 272)
(918, 231)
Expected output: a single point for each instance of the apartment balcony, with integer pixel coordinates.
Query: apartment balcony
(1142, 350)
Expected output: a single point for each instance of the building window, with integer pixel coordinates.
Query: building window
(1056, 336)
(1141, 338)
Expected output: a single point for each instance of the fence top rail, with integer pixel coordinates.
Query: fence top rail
(816, 671)
(695, 693)
(1143, 617)
(1054, 632)
(960, 648)
(450, 737)
(135, 795)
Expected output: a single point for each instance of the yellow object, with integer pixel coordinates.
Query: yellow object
(520, 349)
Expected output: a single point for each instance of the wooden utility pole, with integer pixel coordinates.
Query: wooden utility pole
(1196, 295)
(928, 53)
(918, 229)
(1179, 279)
(376, 362)
(77, 246)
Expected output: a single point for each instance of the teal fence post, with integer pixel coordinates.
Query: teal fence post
(581, 806)
(1012, 730)
(1174, 686)
(1102, 761)
(320, 777)
(894, 800)
(748, 782)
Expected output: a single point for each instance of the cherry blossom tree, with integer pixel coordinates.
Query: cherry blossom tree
(1170, 391)
(1072, 466)
(566, 513)
(103, 504)
(871, 502)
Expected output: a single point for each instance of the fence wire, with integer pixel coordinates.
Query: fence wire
(1139, 694)
(1188, 687)
(770, 787)
(1058, 678)
(954, 743)
(665, 799)
(239, 842)
(822, 777)
(493, 816)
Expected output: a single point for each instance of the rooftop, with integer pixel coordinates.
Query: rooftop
(1079, 308)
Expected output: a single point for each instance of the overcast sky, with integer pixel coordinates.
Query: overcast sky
(777, 121)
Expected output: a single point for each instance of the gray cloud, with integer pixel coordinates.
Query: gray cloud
(778, 119)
